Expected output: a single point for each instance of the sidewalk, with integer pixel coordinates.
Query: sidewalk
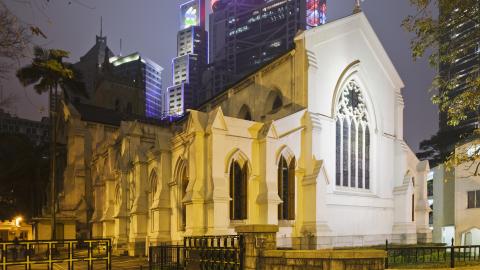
(477, 267)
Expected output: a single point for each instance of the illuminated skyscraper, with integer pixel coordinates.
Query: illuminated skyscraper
(145, 75)
(191, 58)
(461, 38)
(244, 34)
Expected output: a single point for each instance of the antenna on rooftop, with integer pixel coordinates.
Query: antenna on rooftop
(101, 26)
(120, 47)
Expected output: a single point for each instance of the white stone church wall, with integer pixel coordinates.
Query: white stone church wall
(333, 60)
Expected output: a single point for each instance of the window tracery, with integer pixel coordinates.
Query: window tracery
(352, 139)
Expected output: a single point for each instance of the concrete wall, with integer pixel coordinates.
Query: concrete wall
(322, 259)
(466, 179)
(261, 254)
(450, 192)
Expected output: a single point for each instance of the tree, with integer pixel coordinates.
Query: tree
(449, 38)
(48, 73)
(14, 40)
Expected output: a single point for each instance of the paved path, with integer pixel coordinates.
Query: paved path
(456, 268)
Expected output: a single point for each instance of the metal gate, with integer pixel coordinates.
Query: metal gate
(93, 254)
(206, 252)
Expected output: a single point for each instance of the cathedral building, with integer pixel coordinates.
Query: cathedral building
(311, 142)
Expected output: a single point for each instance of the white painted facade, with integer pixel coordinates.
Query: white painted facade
(144, 175)
(455, 218)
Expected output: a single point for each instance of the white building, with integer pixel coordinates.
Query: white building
(312, 142)
(456, 194)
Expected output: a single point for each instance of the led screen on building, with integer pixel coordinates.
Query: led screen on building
(192, 13)
(316, 12)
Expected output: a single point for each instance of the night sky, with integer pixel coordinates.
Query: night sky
(150, 26)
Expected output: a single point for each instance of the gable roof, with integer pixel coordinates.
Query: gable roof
(358, 21)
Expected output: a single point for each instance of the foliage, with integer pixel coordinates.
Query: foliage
(14, 40)
(23, 174)
(48, 71)
(448, 32)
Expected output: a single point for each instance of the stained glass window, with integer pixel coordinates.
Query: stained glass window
(367, 158)
(352, 139)
(353, 154)
(360, 156)
(338, 162)
(345, 153)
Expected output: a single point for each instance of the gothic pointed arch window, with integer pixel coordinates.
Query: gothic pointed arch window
(286, 189)
(245, 113)
(352, 129)
(131, 194)
(182, 180)
(238, 175)
(153, 187)
(152, 190)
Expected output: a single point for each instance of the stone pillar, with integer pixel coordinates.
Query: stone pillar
(422, 207)
(257, 238)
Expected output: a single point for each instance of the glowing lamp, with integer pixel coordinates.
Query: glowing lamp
(17, 221)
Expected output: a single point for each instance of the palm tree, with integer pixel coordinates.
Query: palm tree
(48, 73)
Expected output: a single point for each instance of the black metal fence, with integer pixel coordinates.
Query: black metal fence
(435, 256)
(69, 253)
(206, 252)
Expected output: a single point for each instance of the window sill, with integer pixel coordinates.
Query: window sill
(286, 223)
(353, 191)
(234, 223)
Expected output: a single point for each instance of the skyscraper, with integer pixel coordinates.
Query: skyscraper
(244, 34)
(191, 58)
(462, 39)
(144, 74)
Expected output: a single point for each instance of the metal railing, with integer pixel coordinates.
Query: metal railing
(436, 256)
(62, 252)
(206, 252)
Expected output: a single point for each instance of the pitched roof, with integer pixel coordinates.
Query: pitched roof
(96, 114)
(91, 113)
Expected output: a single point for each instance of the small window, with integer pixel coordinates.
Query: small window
(477, 205)
(471, 199)
(245, 113)
(277, 104)
(274, 102)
